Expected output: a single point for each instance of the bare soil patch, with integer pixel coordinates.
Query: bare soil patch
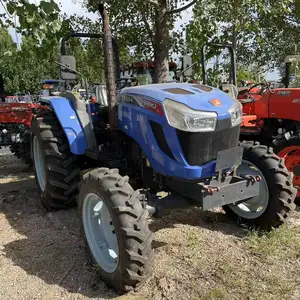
(197, 255)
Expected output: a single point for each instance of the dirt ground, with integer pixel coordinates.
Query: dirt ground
(197, 255)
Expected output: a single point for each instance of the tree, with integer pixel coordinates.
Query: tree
(259, 31)
(36, 20)
(24, 68)
(7, 49)
(146, 25)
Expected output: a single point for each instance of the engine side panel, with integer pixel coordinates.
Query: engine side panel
(285, 104)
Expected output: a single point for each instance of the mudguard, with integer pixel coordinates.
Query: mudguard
(67, 116)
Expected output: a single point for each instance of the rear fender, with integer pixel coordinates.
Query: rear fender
(69, 121)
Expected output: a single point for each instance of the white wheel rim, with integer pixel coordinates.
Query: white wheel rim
(256, 206)
(100, 232)
(39, 163)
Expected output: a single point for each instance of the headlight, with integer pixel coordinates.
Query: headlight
(184, 118)
(236, 113)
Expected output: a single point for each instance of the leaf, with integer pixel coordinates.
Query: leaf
(10, 7)
(48, 7)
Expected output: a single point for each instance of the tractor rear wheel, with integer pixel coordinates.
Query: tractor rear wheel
(56, 170)
(115, 229)
(275, 201)
(289, 149)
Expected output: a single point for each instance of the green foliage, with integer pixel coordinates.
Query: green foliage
(262, 33)
(145, 26)
(133, 24)
(283, 243)
(36, 20)
(246, 73)
(25, 68)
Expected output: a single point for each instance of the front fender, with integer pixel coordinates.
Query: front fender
(69, 121)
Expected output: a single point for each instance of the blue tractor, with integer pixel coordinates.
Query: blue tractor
(179, 138)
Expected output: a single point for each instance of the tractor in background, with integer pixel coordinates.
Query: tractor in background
(51, 87)
(143, 71)
(271, 116)
(179, 138)
(16, 114)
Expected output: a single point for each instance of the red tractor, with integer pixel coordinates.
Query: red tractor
(270, 113)
(15, 120)
(16, 113)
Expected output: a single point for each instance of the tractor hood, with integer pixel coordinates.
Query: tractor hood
(195, 96)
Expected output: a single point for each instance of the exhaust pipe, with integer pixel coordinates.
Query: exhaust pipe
(109, 67)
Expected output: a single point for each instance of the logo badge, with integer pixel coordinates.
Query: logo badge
(216, 102)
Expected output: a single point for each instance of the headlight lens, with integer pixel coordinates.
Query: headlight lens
(236, 113)
(184, 118)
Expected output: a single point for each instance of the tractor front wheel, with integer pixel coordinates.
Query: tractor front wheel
(275, 201)
(115, 229)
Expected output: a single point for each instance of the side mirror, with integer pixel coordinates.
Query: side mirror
(70, 62)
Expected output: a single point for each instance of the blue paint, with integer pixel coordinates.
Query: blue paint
(49, 81)
(69, 121)
(95, 111)
(198, 100)
(135, 122)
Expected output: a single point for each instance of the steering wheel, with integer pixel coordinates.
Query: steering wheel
(264, 86)
(126, 82)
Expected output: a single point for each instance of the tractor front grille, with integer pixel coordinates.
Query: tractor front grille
(202, 147)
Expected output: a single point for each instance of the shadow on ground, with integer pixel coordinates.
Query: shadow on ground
(210, 220)
(51, 248)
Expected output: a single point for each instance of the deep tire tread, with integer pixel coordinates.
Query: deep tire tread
(281, 190)
(131, 225)
(62, 171)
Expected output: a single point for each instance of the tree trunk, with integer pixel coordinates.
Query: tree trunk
(161, 44)
(234, 44)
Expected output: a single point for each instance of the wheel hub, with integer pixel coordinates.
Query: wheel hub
(255, 206)
(100, 232)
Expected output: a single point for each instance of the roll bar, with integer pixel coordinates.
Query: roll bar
(232, 56)
(63, 46)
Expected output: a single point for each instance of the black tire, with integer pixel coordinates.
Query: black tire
(61, 169)
(280, 144)
(131, 227)
(22, 152)
(280, 185)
